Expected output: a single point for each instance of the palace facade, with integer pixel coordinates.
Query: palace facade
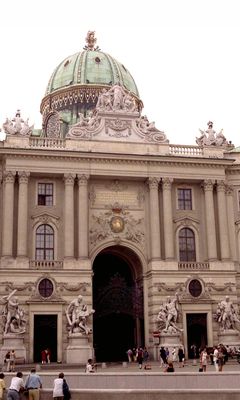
(98, 203)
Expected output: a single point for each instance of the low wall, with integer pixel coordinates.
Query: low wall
(150, 394)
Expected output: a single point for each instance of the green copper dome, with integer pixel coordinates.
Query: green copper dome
(90, 68)
(76, 83)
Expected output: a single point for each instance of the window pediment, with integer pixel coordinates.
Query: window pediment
(45, 218)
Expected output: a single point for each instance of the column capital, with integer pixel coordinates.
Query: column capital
(229, 190)
(153, 183)
(23, 176)
(82, 179)
(221, 186)
(208, 185)
(9, 176)
(167, 183)
(69, 179)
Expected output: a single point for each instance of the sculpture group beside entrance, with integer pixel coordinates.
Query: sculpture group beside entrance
(168, 316)
(78, 315)
(12, 315)
(226, 316)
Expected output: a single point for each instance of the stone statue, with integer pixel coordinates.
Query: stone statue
(210, 138)
(19, 127)
(144, 125)
(118, 95)
(13, 315)
(77, 315)
(104, 101)
(226, 315)
(129, 103)
(91, 41)
(168, 315)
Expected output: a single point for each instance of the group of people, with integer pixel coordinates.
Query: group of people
(139, 355)
(32, 385)
(9, 360)
(169, 357)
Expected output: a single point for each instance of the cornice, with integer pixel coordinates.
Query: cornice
(116, 158)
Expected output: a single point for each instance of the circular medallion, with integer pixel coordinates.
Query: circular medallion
(117, 224)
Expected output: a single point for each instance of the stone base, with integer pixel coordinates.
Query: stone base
(12, 341)
(78, 350)
(170, 341)
(229, 337)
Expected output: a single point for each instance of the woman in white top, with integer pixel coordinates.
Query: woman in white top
(90, 366)
(204, 359)
(58, 387)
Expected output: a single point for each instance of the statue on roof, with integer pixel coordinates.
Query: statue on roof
(91, 41)
(210, 137)
(17, 126)
(116, 99)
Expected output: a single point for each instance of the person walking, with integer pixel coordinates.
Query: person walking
(16, 386)
(140, 357)
(33, 384)
(220, 358)
(58, 387)
(2, 385)
(203, 359)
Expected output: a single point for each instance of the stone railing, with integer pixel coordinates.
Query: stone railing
(197, 266)
(45, 143)
(46, 264)
(190, 151)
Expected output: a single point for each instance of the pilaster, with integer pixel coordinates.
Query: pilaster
(82, 216)
(154, 218)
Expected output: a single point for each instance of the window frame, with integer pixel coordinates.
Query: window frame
(186, 228)
(38, 248)
(177, 198)
(45, 182)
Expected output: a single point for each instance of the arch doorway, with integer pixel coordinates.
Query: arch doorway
(118, 302)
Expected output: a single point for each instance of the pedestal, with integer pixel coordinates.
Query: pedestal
(78, 349)
(170, 341)
(13, 341)
(229, 337)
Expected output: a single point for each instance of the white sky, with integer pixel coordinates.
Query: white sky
(183, 54)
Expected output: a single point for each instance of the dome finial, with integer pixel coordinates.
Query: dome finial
(91, 40)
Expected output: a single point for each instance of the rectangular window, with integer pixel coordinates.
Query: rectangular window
(185, 199)
(45, 194)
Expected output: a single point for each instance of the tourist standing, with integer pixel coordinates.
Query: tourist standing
(163, 358)
(215, 358)
(130, 355)
(33, 384)
(140, 357)
(16, 386)
(12, 360)
(220, 358)
(181, 357)
(204, 359)
(2, 385)
(7, 361)
(58, 387)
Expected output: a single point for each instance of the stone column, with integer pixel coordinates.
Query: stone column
(154, 218)
(22, 240)
(167, 217)
(223, 221)
(69, 216)
(231, 223)
(82, 216)
(210, 220)
(8, 200)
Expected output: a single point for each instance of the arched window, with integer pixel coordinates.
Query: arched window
(44, 243)
(187, 249)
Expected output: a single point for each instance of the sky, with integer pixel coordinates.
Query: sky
(183, 54)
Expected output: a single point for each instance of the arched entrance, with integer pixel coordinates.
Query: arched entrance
(118, 303)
